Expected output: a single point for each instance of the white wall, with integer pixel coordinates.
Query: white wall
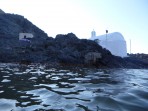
(114, 42)
(22, 35)
(117, 48)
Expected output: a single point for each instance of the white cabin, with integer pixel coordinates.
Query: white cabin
(25, 36)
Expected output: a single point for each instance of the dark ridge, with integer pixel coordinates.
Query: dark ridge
(65, 49)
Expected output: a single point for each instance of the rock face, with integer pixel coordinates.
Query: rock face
(114, 42)
(11, 49)
(63, 49)
(1, 11)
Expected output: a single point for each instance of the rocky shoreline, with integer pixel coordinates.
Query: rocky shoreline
(64, 50)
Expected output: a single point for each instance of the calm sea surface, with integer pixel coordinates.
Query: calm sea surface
(38, 88)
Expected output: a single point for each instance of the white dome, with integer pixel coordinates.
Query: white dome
(114, 42)
(115, 36)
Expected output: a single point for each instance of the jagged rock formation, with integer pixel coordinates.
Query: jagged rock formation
(10, 27)
(64, 49)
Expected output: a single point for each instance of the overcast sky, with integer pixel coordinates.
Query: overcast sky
(129, 17)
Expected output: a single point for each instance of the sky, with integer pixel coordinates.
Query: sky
(129, 17)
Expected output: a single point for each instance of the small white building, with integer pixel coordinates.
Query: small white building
(114, 42)
(23, 36)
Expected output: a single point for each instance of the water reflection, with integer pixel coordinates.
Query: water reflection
(36, 87)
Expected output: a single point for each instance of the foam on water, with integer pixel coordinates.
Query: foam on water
(5, 80)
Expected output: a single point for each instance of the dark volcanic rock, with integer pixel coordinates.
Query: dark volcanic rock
(11, 48)
(64, 49)
(1, 11)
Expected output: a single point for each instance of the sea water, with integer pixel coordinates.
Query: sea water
(39, 88)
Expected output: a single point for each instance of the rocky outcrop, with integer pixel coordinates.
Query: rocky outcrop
(11, 49)
(141, 56)
(1, 11)
(140, 60)
(63, 49)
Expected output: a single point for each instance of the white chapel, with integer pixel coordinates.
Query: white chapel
(114, 42)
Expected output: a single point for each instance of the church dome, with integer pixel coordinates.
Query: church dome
(114, 42)
(115, 36)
